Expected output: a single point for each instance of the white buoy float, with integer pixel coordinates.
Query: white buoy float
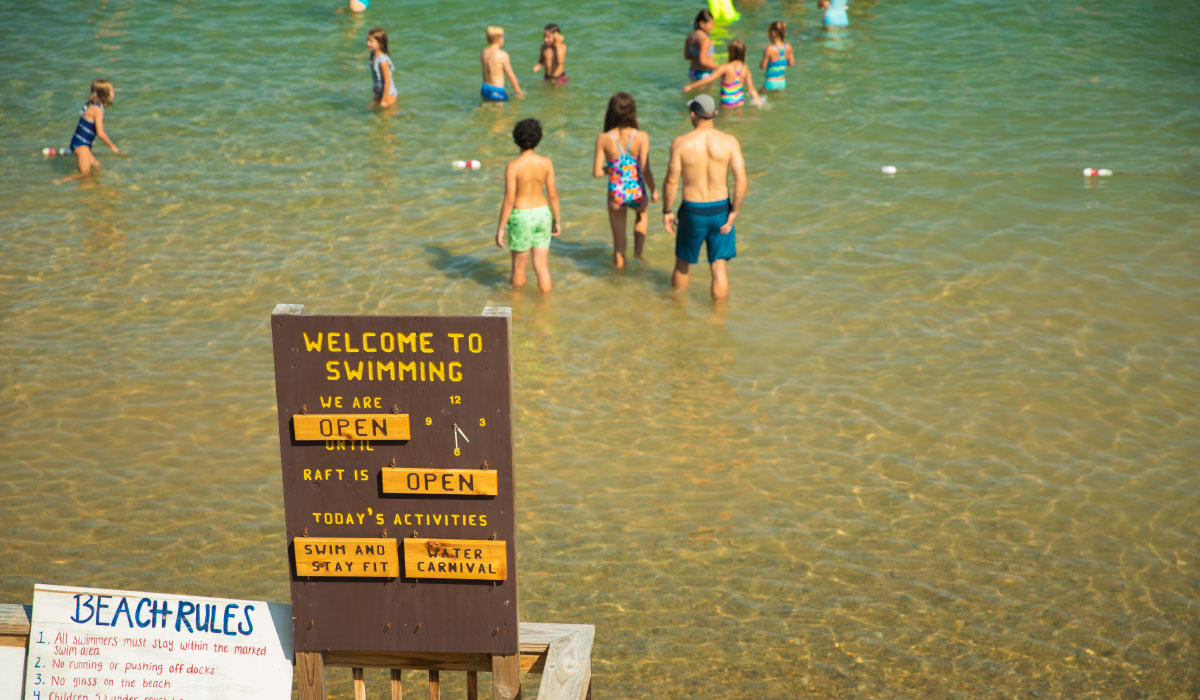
(1096, 172)
(467, 164)
(888, 170)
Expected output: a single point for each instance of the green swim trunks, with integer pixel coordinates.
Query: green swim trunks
(529, 228)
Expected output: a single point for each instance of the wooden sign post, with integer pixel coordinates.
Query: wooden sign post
(395, 437)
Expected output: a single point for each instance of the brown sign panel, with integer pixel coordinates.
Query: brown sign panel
(450, 376)
(372, 557)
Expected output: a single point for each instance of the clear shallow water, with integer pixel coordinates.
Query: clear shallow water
(942, 443)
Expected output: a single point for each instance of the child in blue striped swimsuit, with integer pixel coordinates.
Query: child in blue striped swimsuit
(91, 127)
(776, 57)
(382, 69)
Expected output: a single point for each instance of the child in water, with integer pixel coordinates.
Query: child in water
(91, 126)
(623, 153)
(734, 76)
(496, 67)
(382, 69)
(529, 216)
(553, 55)
(835, 12)
(776, 57)
(698, 47)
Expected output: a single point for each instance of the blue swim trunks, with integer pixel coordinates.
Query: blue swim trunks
(694, 75)
(701, 223)
(491, 93)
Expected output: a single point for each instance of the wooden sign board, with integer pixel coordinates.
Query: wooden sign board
(370, 557)
(352, 426)
(396, 432)
(98, 643)
(483, 560)
(440, 482)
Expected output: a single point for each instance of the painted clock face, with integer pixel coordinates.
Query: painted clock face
(430, 502)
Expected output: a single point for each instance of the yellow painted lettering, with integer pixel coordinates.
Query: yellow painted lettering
(311, 345)
(427, 343)
(332, 369)
(366, 342)
(455, 371)
(455, 337)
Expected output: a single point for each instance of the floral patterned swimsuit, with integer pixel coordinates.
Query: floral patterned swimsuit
(625, 186)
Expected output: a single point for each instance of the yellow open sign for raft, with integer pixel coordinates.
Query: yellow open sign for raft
(440, 482)
(373, 557)
(484, 560)
(351, 426)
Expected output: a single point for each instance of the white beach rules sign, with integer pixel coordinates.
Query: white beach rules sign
(95, 644)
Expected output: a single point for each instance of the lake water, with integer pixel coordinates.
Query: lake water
(942, 442)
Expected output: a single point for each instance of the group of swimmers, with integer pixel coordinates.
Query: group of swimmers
(530, 214)
(701, 161)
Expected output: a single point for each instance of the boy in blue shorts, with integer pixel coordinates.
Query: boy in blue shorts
(703, 158)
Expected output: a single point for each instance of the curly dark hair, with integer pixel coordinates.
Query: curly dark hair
(528, 134)
(622, 111)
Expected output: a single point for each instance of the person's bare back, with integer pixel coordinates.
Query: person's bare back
(530, 172)
(494, 59)
(705, 159)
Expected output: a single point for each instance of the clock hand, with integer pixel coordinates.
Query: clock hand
(460, 432)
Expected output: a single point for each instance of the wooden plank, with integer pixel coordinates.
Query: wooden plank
(533, 663)
(567, 673)
(377, 427)
(422, 661)
(14, 619)
(439, 482)
(435, 686)
(506, 677)
(360, 685)
(397, 684)
(310, 675)
(482, 560)
(472, 685)
(372, 557)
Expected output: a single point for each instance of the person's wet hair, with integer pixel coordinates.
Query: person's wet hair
(622, 111)
(528, 134)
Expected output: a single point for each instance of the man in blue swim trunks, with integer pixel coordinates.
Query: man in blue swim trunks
(704, 157)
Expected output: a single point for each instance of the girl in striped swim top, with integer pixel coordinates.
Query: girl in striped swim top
(776, 57)
(735, 78)
(90, 128)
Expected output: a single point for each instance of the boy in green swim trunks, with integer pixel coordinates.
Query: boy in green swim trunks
(529, 216)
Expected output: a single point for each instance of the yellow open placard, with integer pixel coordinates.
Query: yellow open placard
(373, 557)
(484, 560)
(351, 426)
(439, 482)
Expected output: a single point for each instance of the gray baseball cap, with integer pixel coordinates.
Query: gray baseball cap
(703, 106)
